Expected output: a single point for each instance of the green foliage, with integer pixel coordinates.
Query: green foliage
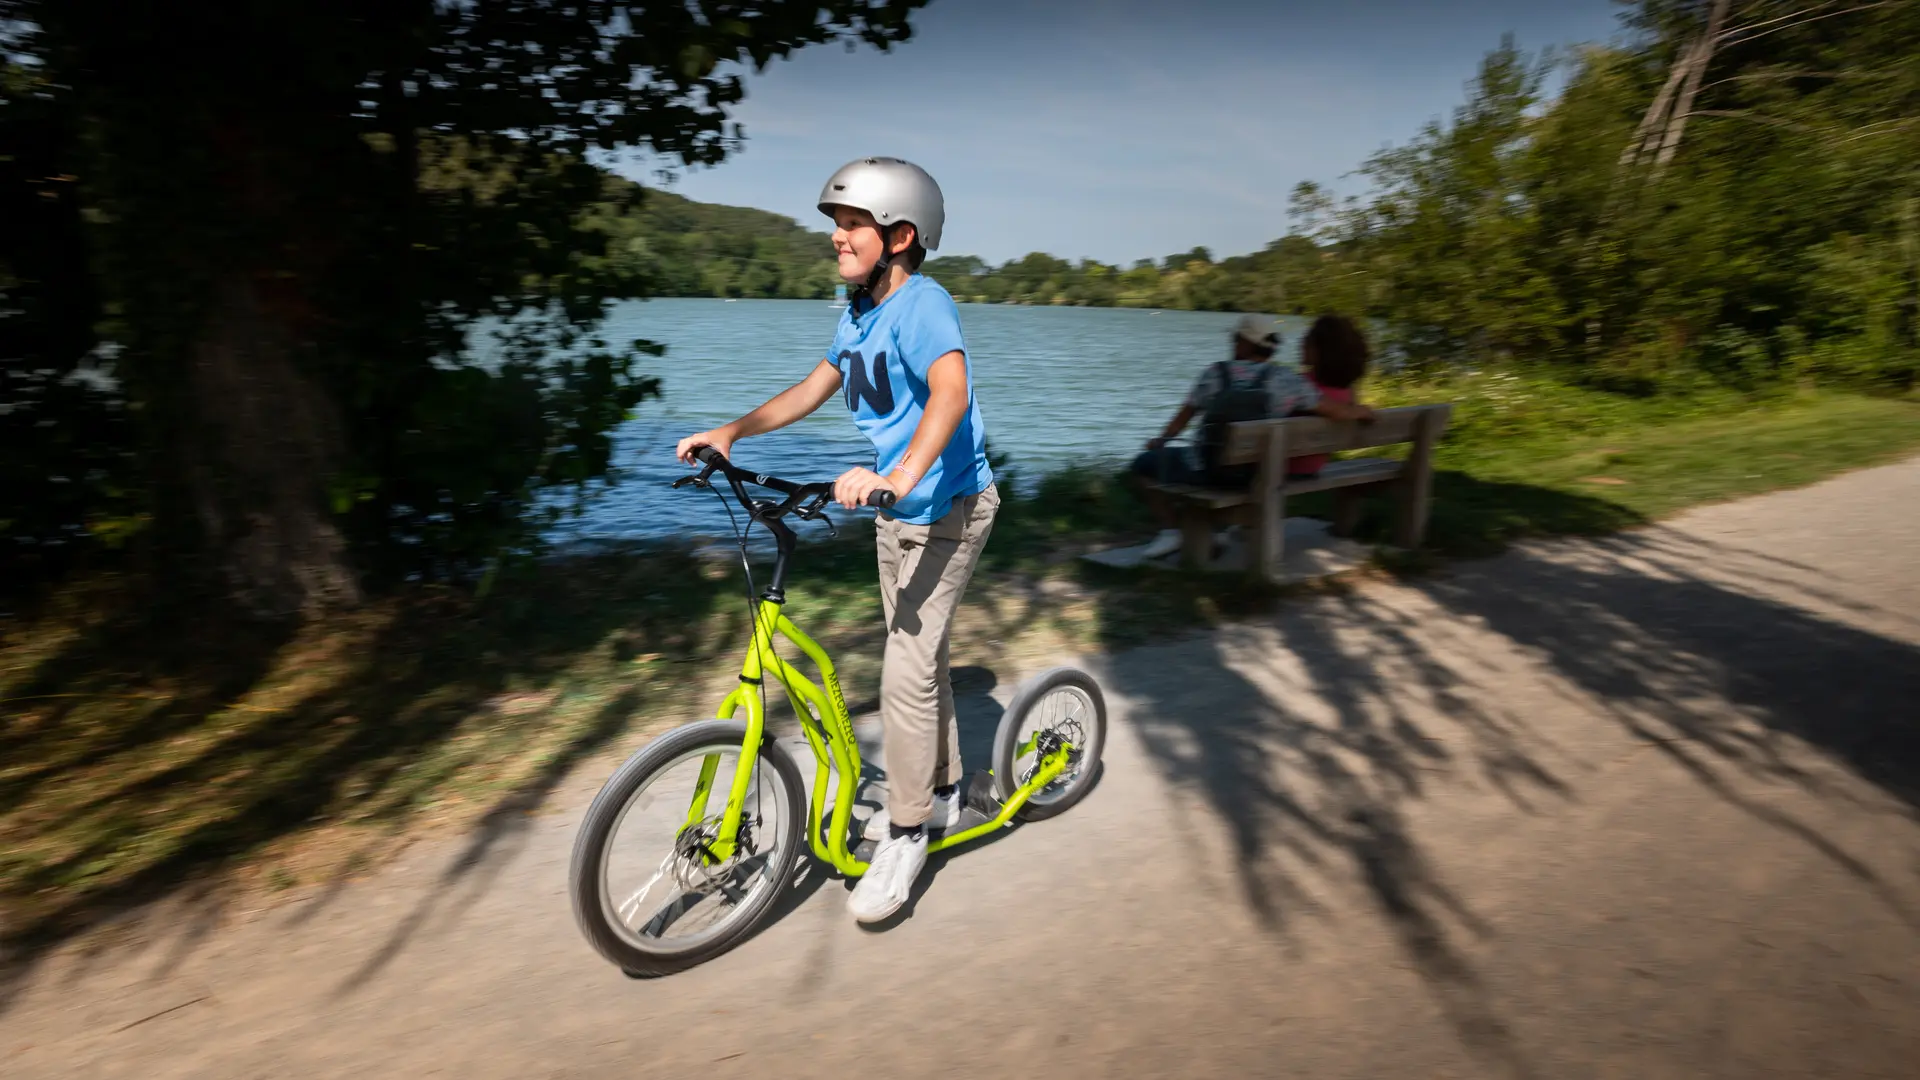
(1780, 242)
(64, 466)
(1456, 276)
(347, 193)
(1863, 327)
(288, 218)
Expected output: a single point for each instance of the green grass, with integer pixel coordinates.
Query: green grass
(1529, 456)
(140, 750)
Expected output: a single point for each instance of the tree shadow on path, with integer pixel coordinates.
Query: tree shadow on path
(1311, 734)
(401, 699)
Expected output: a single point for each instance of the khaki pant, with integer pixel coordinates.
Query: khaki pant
(924, 569)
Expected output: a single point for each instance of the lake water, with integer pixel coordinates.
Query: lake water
(1056, 385)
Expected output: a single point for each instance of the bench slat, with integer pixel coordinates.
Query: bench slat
(1316, 435)
(1339, 474)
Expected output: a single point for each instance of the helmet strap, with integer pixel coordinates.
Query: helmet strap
(880, 268)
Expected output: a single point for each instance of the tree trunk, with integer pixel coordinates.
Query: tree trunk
(1643, 135)
(1697, 67)
(263, 441)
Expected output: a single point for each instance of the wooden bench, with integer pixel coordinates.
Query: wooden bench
(1268, 444)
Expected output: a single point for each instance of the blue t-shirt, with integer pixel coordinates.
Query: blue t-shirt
(883, 354)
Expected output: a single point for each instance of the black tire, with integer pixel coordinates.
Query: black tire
(586, 875)
(1007, 739)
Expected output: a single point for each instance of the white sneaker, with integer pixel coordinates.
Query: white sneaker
(889, 878)
(1163, 545)
(946, 814)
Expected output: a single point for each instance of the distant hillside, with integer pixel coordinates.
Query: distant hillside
(674, 246)
(680, 247)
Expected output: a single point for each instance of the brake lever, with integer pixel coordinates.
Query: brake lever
(815, 509)
(699, 480)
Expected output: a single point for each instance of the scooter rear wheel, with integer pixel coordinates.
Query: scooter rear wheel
(1063, 704)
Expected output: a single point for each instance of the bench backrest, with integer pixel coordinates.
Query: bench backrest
(1247, 440)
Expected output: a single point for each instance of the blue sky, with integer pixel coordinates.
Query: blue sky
(1123, 129)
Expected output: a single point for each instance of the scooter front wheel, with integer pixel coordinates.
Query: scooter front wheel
(657, 885)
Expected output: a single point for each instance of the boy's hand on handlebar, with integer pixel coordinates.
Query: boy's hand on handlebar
(715, 439)
(855, 486)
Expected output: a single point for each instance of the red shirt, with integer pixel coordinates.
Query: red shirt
(1309, 464)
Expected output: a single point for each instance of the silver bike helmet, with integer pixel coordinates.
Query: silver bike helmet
(892, 191)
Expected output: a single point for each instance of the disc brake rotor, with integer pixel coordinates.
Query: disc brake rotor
(694, 866)
(1049, 739)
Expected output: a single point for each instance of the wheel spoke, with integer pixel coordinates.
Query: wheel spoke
(669, 915)
(633, 902)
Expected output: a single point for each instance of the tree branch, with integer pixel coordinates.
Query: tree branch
(1732, 40)
(1798, 75)
(1878, 128)
(1745, 114)
(1778, 18)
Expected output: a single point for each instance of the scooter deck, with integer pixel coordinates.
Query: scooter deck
(980, 808)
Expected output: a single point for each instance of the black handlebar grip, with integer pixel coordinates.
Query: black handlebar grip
(882, 498)
(710, 456)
